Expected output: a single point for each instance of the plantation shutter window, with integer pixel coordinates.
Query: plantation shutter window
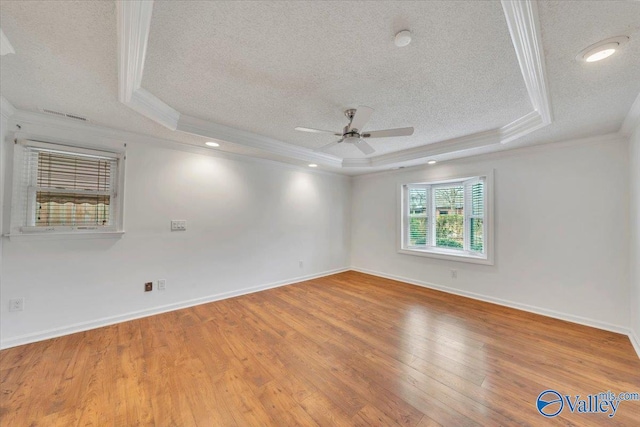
(446, 219)
(418, 228)
(66, 189)
(474, 216)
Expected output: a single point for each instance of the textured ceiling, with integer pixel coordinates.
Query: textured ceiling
(588, 98)
(66, 60)
(267, 67)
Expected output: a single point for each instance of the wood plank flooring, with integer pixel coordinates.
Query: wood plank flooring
(348, 349)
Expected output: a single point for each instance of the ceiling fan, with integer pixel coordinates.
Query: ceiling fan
(352, 133)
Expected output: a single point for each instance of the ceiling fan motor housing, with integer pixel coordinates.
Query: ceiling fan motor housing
(352, 133)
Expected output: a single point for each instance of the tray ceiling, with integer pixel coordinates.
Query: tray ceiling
(267, 67)
(247, 73)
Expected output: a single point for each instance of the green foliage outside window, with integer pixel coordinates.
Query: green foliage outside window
(418, 232)
(443, 209)
(449, 230)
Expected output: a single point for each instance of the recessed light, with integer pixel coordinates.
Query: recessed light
(403, 38)
(432, 162)
(601, 54)
(313, 165)
(602, 49)
(212, 144)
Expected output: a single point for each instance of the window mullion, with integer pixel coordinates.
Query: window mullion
(466, 208)
(432, 217)
(406, 221)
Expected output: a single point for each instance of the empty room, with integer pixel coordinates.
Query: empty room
(319, 213)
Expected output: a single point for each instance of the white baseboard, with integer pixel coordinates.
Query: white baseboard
(106, 321)
(635, 341)
(525, 307)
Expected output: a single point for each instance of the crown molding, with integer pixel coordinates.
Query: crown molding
(522, 20)
(605, 139)
(44, 127)
(5, 45)
(134, 21)
(632, 121)
(356, 163)
(49, 128)
(430, 151)
(148, 105)
(521, 127)
(463, 143)
(6, 108)
(209, 129)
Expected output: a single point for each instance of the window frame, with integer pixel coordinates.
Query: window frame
(406, 230)
(431, 251)
(22, 188)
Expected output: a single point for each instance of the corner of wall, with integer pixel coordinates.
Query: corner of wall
(4, 127)
(635, 341)
(634, 226)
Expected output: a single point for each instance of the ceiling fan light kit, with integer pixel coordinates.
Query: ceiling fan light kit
(352, 133)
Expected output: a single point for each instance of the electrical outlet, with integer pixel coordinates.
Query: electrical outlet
(454, 274)
(162, 285)
(148, 287)
(16, 304)
(178, 225)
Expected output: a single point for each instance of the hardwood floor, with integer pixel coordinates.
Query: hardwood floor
(348, 349)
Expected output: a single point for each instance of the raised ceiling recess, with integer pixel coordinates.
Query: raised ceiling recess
(249, 73)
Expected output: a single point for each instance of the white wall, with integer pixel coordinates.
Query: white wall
(3, 161)
(634, 156)
(249, 224)
(562, 238)
(561, 229)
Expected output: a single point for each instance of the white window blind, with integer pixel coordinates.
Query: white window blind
(66, 189)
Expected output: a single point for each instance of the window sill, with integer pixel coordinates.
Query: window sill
(66, 236)
(448, 255)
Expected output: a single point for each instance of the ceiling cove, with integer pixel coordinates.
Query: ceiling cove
(134, 21)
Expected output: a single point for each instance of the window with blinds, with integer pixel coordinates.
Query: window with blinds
(66, 189)
(475, 217)
(446, 218)
(418, 207)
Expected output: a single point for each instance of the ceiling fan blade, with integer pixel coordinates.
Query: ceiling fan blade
(361, 117)
(301, 129)
(325, 147)
(387, 133)
(364, 147)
